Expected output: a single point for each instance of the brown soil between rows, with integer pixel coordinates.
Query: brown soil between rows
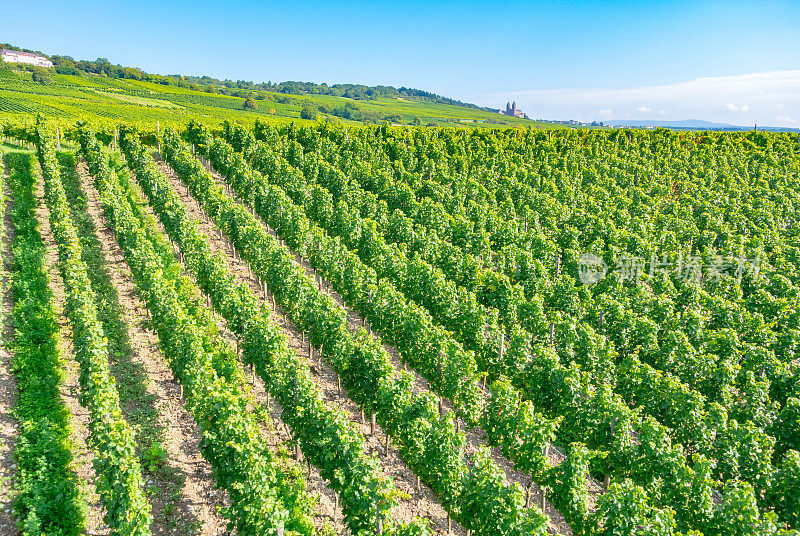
(275, 432)
(422, 504)
(9, 427)
(183, 495)
(79, 431)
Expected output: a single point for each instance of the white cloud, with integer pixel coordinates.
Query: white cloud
(785, 119)
(742, 99)
(644, 109)
(662, 112)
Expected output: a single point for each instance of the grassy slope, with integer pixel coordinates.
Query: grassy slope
(104, 100)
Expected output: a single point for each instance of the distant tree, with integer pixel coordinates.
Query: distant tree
(41, 76)
(250, 103)
(65, 69)
(416, 121)
(210, 89)
(309, 112)
(103, 66)
(132, 74)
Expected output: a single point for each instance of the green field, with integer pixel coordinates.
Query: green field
(103, 100)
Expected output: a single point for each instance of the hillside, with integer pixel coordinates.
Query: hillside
(102, 99)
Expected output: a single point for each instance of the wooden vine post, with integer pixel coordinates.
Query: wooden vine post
(502, 347)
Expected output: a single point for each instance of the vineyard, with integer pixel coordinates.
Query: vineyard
(106, 100)
(272, 329)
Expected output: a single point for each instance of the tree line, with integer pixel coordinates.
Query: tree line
(241, 88)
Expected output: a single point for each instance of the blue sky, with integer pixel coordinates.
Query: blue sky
(729, 61)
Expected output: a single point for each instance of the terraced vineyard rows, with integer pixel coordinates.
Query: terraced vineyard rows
(588, 332)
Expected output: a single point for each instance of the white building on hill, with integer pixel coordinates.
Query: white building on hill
(14, 56)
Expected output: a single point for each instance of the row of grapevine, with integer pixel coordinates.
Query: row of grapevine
(430, 445)
(119, 479)
(326, 438)
(263, 497)
(48, 498)
(655, 466)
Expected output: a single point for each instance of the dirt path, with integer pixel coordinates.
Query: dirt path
(70, 388)
(180, 484)
(423, 504)
(8, 385)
